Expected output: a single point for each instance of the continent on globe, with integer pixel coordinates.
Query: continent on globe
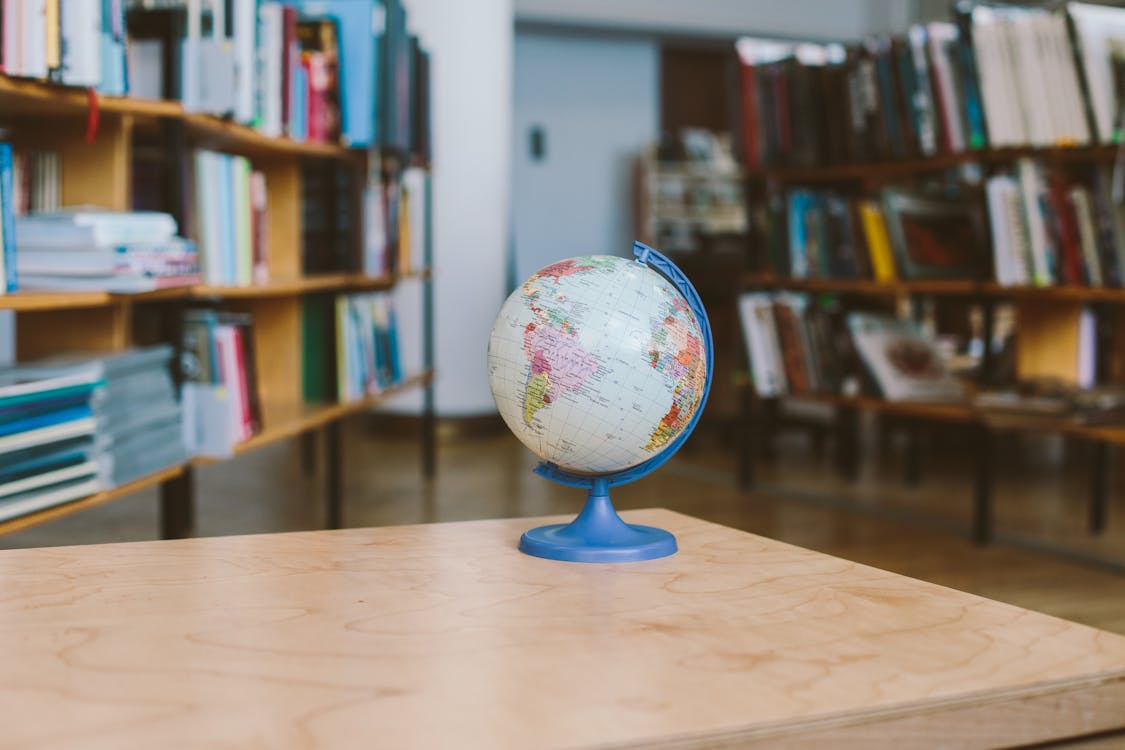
(677, 353)
(558, 361)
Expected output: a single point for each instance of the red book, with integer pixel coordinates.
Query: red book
(243, 396)
(316, 69)
(1066, 233)
(259, 227)
(752, 150)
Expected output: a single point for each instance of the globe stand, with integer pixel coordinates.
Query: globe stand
(598, 535)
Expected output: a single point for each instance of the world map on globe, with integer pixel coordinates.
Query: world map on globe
(596, 363)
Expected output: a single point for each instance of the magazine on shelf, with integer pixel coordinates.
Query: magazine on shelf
(904, 364)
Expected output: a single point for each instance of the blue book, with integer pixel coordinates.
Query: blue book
(50, 419)
(225, 200)
(15, 412)
(45, 458)
(299, 107)
(7, 217)
(357, 23)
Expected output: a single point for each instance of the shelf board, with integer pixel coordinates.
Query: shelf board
(101, 498)
(32, 300)
(866, 287)
(953, 288)
(884, 170)
(34, 97)
(285, 420)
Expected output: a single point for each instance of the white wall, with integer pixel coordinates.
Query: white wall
(806, 19)
(597, 101)
(471, 90)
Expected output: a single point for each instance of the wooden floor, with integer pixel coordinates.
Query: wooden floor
(917, 531)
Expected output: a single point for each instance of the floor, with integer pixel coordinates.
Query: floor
(918, 531)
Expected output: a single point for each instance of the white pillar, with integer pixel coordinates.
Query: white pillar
(470, 44)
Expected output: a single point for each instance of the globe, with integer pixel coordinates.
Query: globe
(600, 365)
(596, 363)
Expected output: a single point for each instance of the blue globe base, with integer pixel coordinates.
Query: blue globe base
(598, 535)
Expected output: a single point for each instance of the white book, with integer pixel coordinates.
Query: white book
(245, 64)
(1087, 348)
(81, 23)
(1078, 127)
(1020, 258)
(190, 64)
(1042, 123)
(34, 42)
(1087, 235)
(13, 38)
(271, 34)
(85, 227)
(37, 481)
(757, 327)
(44, 435)
(21, 505)
(1002, 240)
(1030, 190)
(20, 381)
(1094, 25)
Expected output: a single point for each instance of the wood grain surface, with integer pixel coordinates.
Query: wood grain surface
(445, 636)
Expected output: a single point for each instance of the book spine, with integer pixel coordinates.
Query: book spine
(7, 219)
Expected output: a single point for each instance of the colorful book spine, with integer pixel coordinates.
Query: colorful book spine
(7, 219)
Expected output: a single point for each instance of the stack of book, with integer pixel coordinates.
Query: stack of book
(998, 76)
(367, 355)
(75, 43)
(93, 249)
(74, 425)
(220, 396)
(138, 420)
(229, 217)
(1052, 228)
(47, 441)
(798, 347)
(900, 234)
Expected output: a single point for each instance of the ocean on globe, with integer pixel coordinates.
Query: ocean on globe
(597, 363)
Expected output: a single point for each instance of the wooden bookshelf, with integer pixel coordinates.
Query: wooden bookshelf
(286, 419)
(38, 115)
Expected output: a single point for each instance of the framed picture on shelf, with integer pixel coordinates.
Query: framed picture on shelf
(934, 236)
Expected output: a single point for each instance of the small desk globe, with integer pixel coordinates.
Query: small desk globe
(601, 366)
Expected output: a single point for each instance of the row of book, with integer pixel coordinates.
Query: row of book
(994, 76)
(222, 407)
(1032, 226)
(1050, 227)
(798, 346)
(75, 425)
(315, 70)
(93, 250)
(230, 222)
(902, 233)
(367, 353)
(76, 42)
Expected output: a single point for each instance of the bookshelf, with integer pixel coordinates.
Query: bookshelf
(804, 128)
(96, 169)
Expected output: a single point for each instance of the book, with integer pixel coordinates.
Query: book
(877, 240)
(7, 220)
(934, 236)
(903, 364)
(23, 503)
(90, 226)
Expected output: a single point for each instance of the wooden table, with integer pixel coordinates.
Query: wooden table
(444, 636)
